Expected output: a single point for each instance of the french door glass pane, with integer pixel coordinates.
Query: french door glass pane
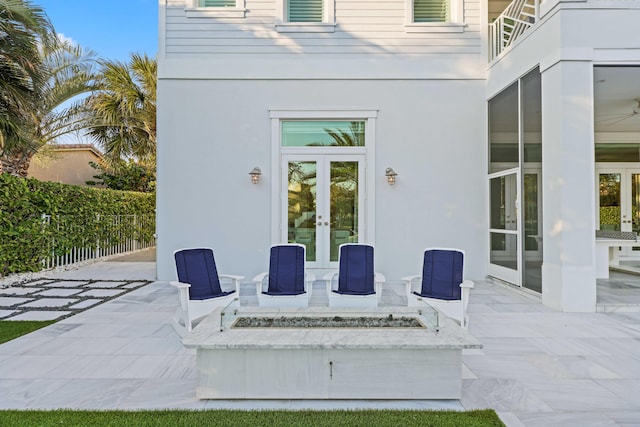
(532, 265)
(344, 205)
(609, 189)
(504, 223)
(503, 199)
(635, 202)
(504, 250)
(301, 216)
(531, 212)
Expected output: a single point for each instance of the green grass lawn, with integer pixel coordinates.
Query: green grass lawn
(13, 329)
(368, 418)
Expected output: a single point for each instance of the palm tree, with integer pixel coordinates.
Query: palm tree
(56, 111)
(123, 110)
(23, 29)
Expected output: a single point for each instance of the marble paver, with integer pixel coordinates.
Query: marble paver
(40, 315)
(58, 292)
(5, 313)
(67, 284)
(101, 293)
(39, 282)
(86, 303)
(12, 302)
(105, 285)
(17, 291)
(134, 285)
(49, 302)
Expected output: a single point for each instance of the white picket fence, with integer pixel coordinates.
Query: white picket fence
(102, 235)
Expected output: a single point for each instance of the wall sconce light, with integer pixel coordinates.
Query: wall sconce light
(391, 176)
(255, 175)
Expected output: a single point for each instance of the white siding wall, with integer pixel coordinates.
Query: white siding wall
(211, 133)
(370, 27)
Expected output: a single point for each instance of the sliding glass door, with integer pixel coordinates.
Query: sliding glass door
(515, 183)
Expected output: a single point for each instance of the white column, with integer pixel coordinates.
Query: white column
(568, 270)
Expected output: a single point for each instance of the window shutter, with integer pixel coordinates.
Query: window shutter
(305, 10)
(430, 10)
(217, 3)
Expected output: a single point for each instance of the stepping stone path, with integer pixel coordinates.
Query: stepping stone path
(55, 299)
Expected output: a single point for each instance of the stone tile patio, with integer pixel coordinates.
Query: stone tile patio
(538, 367)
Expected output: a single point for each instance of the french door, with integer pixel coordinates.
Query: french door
(505, 258)
(323, 204)
(619, 203)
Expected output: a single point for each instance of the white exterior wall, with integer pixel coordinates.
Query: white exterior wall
(213, 132)
(571, 38)
(220, 77)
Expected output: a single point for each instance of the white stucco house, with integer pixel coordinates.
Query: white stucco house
(514, 130)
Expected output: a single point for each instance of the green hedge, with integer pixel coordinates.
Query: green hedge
(79, 216)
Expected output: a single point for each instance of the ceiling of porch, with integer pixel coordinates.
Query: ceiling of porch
(617, 99)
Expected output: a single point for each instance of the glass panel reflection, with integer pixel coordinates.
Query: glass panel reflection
(635, 205)
(297, 133)
(503, 130)
(503, 202)
(532, 268)
(344, 206)
(613, 152)
(531, 212)
(504, 250)
(301, 216)
(609, 190)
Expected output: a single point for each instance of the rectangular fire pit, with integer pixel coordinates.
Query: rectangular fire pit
(317, 353)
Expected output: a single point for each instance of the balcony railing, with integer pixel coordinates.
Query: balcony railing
(516, 19)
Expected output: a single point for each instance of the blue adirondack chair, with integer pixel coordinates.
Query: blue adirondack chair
(199, 287)
(355, 284)
(441, 284)
(287, 283)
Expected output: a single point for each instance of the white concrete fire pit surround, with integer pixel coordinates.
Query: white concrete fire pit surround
(328, 363)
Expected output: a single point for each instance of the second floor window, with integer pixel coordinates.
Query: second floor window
(431, 11)
(216, 3)
(305, 10)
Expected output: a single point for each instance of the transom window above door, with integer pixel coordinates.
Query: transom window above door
(329, 133)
